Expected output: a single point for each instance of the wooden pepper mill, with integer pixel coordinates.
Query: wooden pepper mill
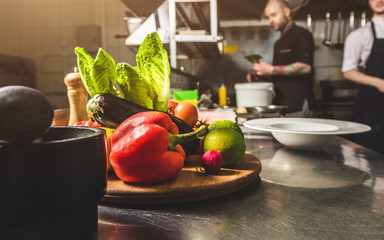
(77, 96)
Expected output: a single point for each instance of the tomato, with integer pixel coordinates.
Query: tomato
(187, 112)
(87, 123)
(171, 106)
(200, 123)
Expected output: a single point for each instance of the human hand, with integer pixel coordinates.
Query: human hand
(252, 76)
(263, 69)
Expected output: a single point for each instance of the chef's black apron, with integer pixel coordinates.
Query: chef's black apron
(370, 101)
(295, 45)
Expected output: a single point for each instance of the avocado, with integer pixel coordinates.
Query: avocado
(25, 114)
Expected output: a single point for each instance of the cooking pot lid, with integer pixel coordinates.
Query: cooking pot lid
(254, 85)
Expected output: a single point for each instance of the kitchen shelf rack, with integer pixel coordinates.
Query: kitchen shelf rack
(212, 37)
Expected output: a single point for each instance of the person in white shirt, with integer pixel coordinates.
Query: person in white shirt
(363, 63)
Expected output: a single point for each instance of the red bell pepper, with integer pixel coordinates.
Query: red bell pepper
(145, 148)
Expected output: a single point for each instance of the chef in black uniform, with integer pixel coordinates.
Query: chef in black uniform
(292, 68)
(363, 63)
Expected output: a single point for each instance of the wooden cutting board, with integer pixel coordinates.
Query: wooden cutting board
(187, 186)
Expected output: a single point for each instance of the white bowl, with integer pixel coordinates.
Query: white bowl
(305, 133)
(303, 141)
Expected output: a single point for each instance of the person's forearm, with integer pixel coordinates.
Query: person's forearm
(361, 78)
(297, 68)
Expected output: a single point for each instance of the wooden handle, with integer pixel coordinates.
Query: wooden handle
(77, 96)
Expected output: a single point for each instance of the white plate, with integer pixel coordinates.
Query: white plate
(305, 133)
(315, 126)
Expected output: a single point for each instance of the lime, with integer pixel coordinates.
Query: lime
(225, 124)
(229, 142)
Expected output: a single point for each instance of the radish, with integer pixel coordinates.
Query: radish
(212, 161)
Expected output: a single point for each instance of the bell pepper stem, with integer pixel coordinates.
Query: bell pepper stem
(186, 137)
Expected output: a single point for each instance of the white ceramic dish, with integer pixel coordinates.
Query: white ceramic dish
(305, 133)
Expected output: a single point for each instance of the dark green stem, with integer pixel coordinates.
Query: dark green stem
(93, 107)
(186, 137)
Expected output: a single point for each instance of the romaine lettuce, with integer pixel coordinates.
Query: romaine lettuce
(147, 84)
(153, 66)
(132, 86)
(98, 75)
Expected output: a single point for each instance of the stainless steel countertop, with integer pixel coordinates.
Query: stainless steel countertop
(333, 193)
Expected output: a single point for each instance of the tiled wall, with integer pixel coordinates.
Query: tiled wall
(46, 31)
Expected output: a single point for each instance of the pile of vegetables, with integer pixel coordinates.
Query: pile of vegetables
(152, 135)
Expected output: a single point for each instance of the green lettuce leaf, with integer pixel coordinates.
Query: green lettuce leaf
(84, 64)
(147, 84)
(153, 66)
(98, 75)
(104, 73)
(132, 86)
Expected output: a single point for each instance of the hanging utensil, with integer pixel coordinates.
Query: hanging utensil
(339, 44)
(363, 19)
(351, 21)
(345, 28)
(309, 22)
(327, 41)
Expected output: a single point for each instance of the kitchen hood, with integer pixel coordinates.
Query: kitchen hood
(247, 9)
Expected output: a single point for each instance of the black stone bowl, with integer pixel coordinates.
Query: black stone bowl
(50, 188)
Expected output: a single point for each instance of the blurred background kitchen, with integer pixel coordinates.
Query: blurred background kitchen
(206, 43)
